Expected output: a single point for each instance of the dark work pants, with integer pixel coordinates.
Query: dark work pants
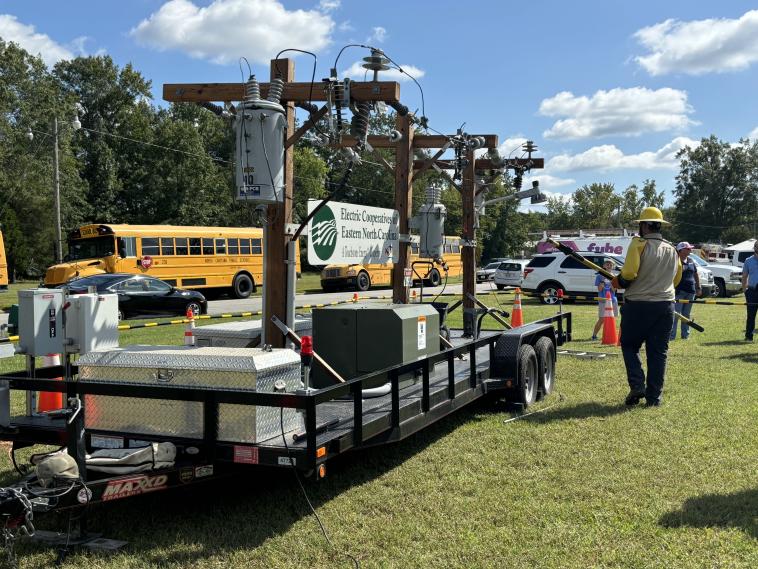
(649, 323)
(751, 297)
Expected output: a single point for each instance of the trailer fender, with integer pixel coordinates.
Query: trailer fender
(505, 361)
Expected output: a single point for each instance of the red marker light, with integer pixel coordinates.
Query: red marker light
(560, 293)
(306, 346)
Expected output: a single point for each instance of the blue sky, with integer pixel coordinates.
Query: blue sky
(607, 90)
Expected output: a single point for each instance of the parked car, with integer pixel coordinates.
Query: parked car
(727, 279)
(510, 273)
(548, 273)
(487, 273)
(141, 295)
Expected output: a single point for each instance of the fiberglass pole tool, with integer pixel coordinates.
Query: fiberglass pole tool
(590, 265)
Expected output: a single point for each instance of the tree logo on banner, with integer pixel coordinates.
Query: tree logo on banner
(324, 233)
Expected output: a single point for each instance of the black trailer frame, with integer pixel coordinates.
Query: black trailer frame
(348, 420)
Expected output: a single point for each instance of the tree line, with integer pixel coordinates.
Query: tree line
(135, 162)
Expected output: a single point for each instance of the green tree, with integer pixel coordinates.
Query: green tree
(717, 187)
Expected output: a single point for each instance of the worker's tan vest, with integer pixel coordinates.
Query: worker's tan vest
(655, 279)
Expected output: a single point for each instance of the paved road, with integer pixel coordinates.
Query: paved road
(255, 303)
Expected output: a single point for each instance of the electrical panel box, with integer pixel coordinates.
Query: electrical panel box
(91, 322)
(359, 339)
(40, 321)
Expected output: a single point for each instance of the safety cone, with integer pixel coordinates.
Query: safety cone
(355, 297)
(189, 330)
(50, 400)
(413, 296)
(517, 316)
(610, 338)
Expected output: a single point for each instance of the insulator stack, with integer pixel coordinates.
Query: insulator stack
(252, 89)
(359, 122)
(433, 195)
(339, 103)
(275, 90)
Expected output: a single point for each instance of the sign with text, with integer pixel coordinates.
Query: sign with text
(346, 233)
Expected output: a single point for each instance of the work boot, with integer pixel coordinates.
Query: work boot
(652, 403)
(633, 398)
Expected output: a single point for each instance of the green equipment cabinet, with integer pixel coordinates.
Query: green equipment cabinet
(359, 339)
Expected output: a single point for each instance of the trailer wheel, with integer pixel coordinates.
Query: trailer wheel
(434, 278)
(546, 364)
(528, 375)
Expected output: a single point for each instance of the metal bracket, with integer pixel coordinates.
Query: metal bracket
(467, 242)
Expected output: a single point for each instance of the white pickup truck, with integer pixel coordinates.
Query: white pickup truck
(727, 279)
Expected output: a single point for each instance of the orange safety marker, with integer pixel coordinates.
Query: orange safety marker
(355, 297)
(610, 338)
(517, 317)
(50, 400)
(189, 330)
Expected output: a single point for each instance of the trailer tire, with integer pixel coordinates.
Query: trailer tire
(546, 365)
(528, 370)
(434, 278)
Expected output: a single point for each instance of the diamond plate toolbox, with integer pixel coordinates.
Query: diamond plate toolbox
(244, 369)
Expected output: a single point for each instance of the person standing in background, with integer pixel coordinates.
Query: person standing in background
(750, 288)
(687, 289)
(603, 286)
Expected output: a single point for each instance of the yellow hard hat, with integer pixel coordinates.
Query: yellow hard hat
(652, 215)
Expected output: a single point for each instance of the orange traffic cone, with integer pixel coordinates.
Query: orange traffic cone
(517, 316)
(610, 338)
(355, 297)
(189, 330)
(50, 400)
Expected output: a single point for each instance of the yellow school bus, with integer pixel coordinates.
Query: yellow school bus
(362, 277)
(3, 265)
(186, 257)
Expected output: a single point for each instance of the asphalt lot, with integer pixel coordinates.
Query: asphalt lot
(255, 303)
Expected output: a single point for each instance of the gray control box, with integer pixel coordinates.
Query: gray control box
(40, 321)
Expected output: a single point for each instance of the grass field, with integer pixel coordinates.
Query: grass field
(586, 483)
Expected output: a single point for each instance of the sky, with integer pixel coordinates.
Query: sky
(608, 91)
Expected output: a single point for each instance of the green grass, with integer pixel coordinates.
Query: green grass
(586, 483)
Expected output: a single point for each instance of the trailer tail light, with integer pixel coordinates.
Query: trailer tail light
(509, 383)
(320, 452)
(322, 471)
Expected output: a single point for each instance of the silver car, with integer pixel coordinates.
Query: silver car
(510, 273)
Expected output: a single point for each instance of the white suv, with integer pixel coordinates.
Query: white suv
(548, 273)
(510, 273)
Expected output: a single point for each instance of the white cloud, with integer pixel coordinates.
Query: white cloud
(700, 46)
(346, 26)
(227, 29)
(753, 134)
(358, 72)
(511, 147)
(547, 182)
(609, 157)
(329, 5)
(378, 34)
(619, 112)
(35, 43)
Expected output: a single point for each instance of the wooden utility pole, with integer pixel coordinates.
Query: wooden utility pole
(278, 216)
(403, 203)
(468, 251)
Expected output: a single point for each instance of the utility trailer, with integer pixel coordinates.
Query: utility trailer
(518, 364)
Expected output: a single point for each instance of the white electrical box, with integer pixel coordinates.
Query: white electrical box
(91, 322)
(40, 321)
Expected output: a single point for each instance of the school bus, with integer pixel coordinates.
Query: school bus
(3, 265)
(362, 277)
(186, 257)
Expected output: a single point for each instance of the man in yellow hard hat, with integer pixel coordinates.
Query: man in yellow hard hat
(651, 271)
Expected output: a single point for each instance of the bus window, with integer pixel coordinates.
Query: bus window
(220, 246)
(446, 248)
(150, 246)
(233, 246)
(244, 246)
(255, 245)
(456, 248)
(194, 246)
(127, 247)
(414, 248)
(207, 246)
(181, 245)
(167, 245)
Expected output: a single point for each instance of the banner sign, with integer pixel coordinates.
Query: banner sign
(344, 233)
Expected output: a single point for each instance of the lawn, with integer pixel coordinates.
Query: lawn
(585, 483)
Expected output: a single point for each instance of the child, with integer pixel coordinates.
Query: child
(603, 286)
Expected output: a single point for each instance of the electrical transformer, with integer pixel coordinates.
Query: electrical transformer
(430, 223)
(40, 322)
(259, 130)
(360, 339)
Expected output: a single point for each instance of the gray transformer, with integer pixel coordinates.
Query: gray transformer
(360, 339)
